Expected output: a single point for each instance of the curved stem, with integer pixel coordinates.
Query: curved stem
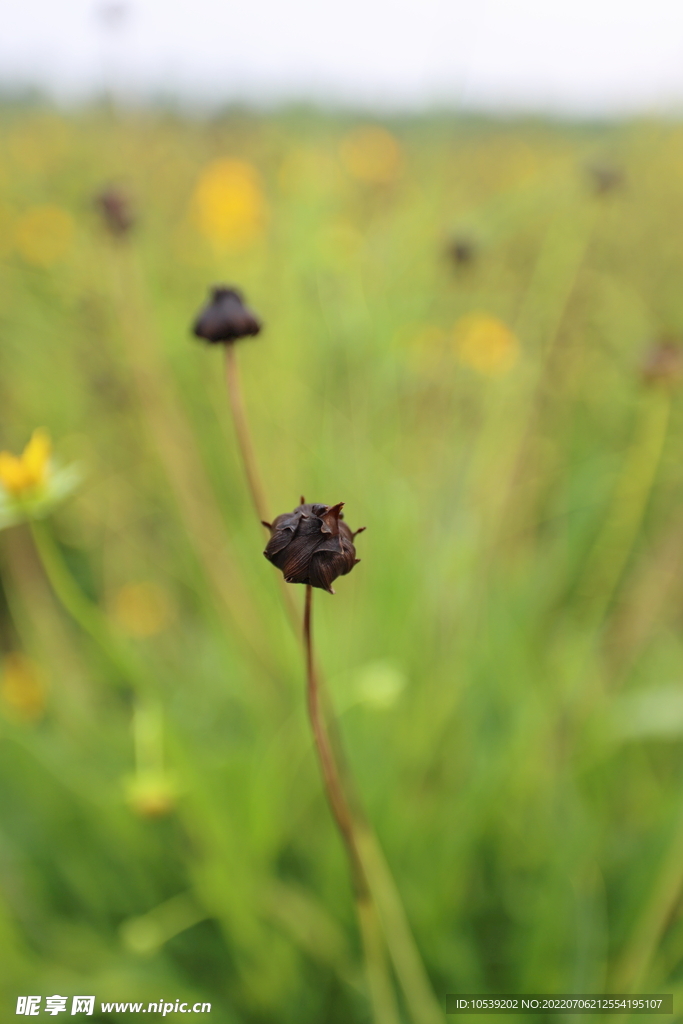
(250, 464)
(631, 968)
(171, 439)
(408, 965)
(86, 614)
(239, 416)
(380, 986)
(612, 549)
(379, 978)
(331, 776)
(148, 737)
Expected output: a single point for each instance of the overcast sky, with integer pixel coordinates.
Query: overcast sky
(569, 55)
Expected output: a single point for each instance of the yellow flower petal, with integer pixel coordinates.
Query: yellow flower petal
(485, 344)
(36, 457)
(371, 154)
(12, 473)
(229, 203)
(29, 470)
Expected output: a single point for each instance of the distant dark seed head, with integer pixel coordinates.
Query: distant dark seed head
(462, 250)
(115, 208)
(225, 318)
(605, 178)
(663, 363)
(312, 545)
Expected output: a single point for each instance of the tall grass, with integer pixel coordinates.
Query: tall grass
(507, 656)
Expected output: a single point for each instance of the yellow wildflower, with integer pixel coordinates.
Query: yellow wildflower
(371, 154)
(31, 485)
(151, 794)
(485, 344)
(28, 471)
(43, 235)
(21, 687)
(142, 609)
(229, 203)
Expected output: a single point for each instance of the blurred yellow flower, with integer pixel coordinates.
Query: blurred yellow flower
(21, 687)
(30, 470)
(44, 234)
(485, 344)
(151, 794)
(371, 154)
(229, 203)
(31, 484)
(142, 609)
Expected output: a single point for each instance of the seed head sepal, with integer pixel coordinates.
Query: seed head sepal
(312, 545)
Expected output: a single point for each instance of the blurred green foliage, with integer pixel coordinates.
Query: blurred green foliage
(506, 661)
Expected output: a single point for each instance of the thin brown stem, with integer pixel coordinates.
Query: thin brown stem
(250, 464)
(379, 976)
(172, 440)
(239, 417)
(331, 776)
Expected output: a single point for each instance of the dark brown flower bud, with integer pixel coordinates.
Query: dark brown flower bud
(663, 363)
(462, 250)
(312, 545)
(225, 317)
(605, 178)
(115, 208)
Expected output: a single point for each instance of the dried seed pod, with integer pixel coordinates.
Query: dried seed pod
(115, 207)
(605, 178)
(663, 363)
(312, 545)
(462, 250)
(225, 318)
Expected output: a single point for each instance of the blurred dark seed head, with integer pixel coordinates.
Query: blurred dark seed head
(225, 318)
(461, 250)
(115, 208)
(605, 178)
(312, 545)
(663, 363)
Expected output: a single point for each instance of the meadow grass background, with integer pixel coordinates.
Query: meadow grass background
(506, 660)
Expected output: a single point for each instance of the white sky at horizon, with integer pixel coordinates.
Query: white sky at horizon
(567, 56)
